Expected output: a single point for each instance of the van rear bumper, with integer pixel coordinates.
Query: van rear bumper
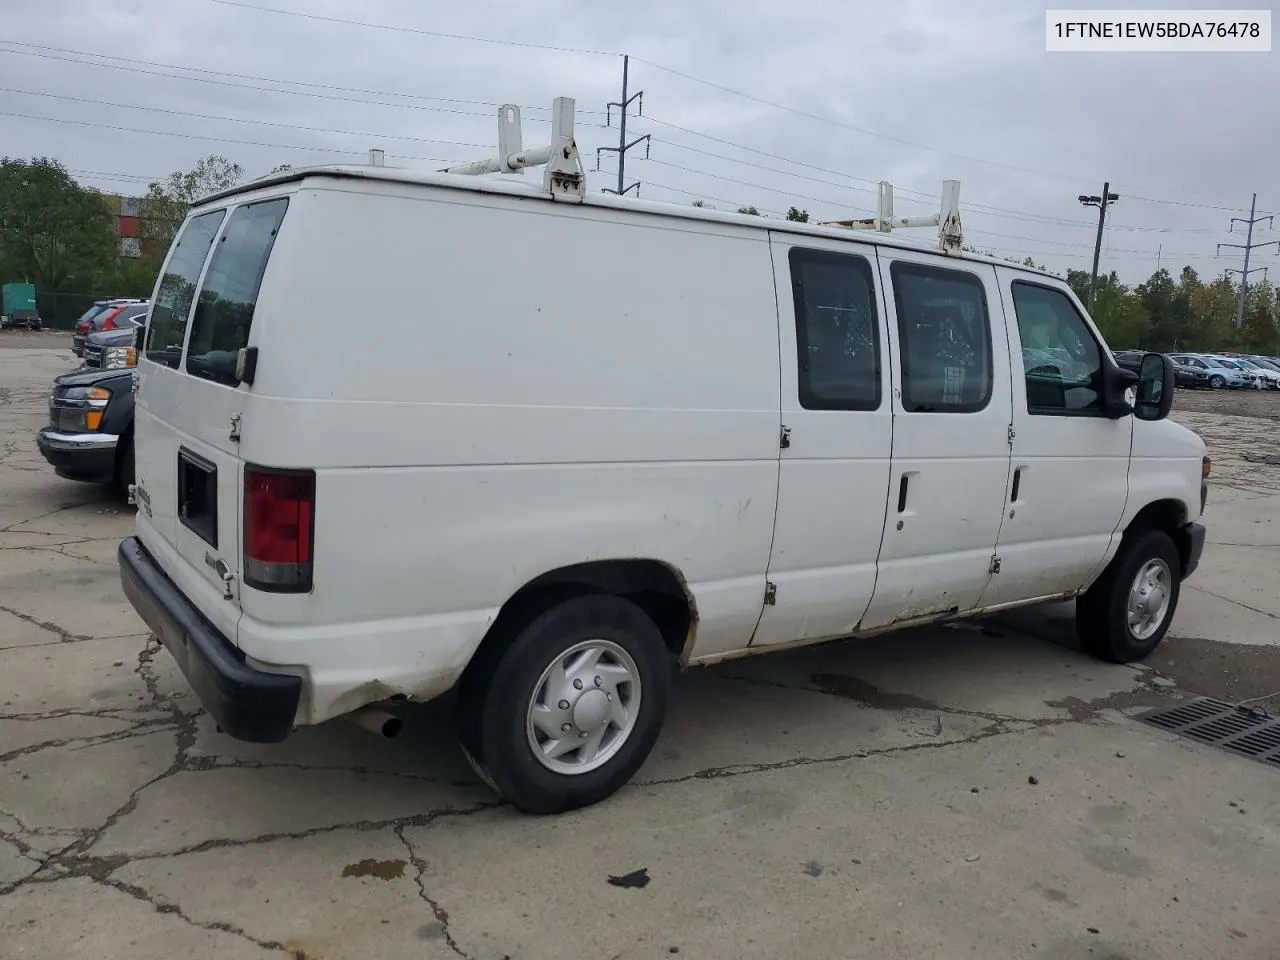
(249, 704)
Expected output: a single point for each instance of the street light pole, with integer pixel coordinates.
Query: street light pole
(1101, 203)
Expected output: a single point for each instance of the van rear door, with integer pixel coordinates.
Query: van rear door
(190, 404)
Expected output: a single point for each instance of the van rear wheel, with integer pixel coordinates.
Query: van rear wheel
(1126, 613)
(571, 708)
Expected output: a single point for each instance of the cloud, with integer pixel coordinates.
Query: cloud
(961, 91)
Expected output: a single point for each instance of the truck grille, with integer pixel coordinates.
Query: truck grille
(92, 356)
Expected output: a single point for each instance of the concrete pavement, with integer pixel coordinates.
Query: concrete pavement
(964, 790)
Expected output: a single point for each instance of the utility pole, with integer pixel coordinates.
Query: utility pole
(621, 149)
(1159, 257)
(1248, 248)
(1101, 203)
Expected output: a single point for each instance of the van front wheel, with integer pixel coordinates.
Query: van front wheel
(1126, 613)
(572, 707)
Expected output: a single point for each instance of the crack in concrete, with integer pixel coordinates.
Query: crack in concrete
(360, 826)
(54, 643)
(219, 926)
(437, 911)
(60, 549)
(45, 516)
(53, 628)
(141, 728)
(1238, 603)
(994, 729)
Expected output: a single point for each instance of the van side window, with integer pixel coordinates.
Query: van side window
(224, 311)
(1061, 360)
(178, 287)
(946, 339)
(837, 347)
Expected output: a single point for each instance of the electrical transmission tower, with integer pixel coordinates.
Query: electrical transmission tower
(1248, 247)
(621, 149)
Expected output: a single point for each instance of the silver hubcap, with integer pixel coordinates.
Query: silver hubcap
(1149, 598)
(584, 707)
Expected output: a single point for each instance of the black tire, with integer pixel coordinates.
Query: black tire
(1102, 621)
(494, 699)
(1217, 382)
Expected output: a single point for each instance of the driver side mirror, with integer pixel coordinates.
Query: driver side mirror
(1155, 387)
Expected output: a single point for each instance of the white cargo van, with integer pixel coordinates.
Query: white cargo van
(402, 433)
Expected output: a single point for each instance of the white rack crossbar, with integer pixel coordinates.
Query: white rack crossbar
(947, 219)
(563, 178)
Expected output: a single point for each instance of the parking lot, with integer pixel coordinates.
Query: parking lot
(967, 790)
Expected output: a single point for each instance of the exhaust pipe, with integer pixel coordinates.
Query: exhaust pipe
(376, 721)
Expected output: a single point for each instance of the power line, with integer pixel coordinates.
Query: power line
(414, 30)
(756, 186)
(399, 28)
(207, 139)
(922, 195)
(248, 76)
(128, 68)
(267, 123)
(704, 196)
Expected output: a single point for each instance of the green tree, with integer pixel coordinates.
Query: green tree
(750, 211)
(1078, 281)
(1213, 310)
(797, 215)
(53, 232)
(1121, 316)
(1169, 305)
(1259, 332)
(166, 204)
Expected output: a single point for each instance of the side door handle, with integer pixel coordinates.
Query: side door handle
(902, 493)
(1017, 483)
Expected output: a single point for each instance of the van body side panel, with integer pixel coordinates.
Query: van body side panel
(951, 414)
(610, 391)
(1071, 460)
(834, 475)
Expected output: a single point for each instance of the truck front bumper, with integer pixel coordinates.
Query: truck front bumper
(90, 457)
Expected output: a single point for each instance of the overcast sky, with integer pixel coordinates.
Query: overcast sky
(919, 91)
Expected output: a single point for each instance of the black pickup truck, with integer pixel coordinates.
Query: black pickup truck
(90, 431)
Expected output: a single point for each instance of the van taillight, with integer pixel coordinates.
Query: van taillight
(279, 521)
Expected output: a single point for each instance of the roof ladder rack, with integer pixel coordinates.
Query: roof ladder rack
(947, 219)
(563, 178)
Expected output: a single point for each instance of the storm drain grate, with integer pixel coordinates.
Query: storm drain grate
(1243, 730)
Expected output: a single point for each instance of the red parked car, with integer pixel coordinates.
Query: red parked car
(96, 318)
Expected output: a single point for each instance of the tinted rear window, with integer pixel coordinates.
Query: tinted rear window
(178, 288)
(224, 312)
(91, 313)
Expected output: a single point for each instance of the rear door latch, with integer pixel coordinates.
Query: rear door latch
(235, 427)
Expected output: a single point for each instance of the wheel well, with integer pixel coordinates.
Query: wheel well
(651, 585)
(1166, 515)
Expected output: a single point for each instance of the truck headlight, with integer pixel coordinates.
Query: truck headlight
(88, 397)
(117, 357)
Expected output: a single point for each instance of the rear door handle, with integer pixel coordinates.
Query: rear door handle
(1017, 482)
(902, 494)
